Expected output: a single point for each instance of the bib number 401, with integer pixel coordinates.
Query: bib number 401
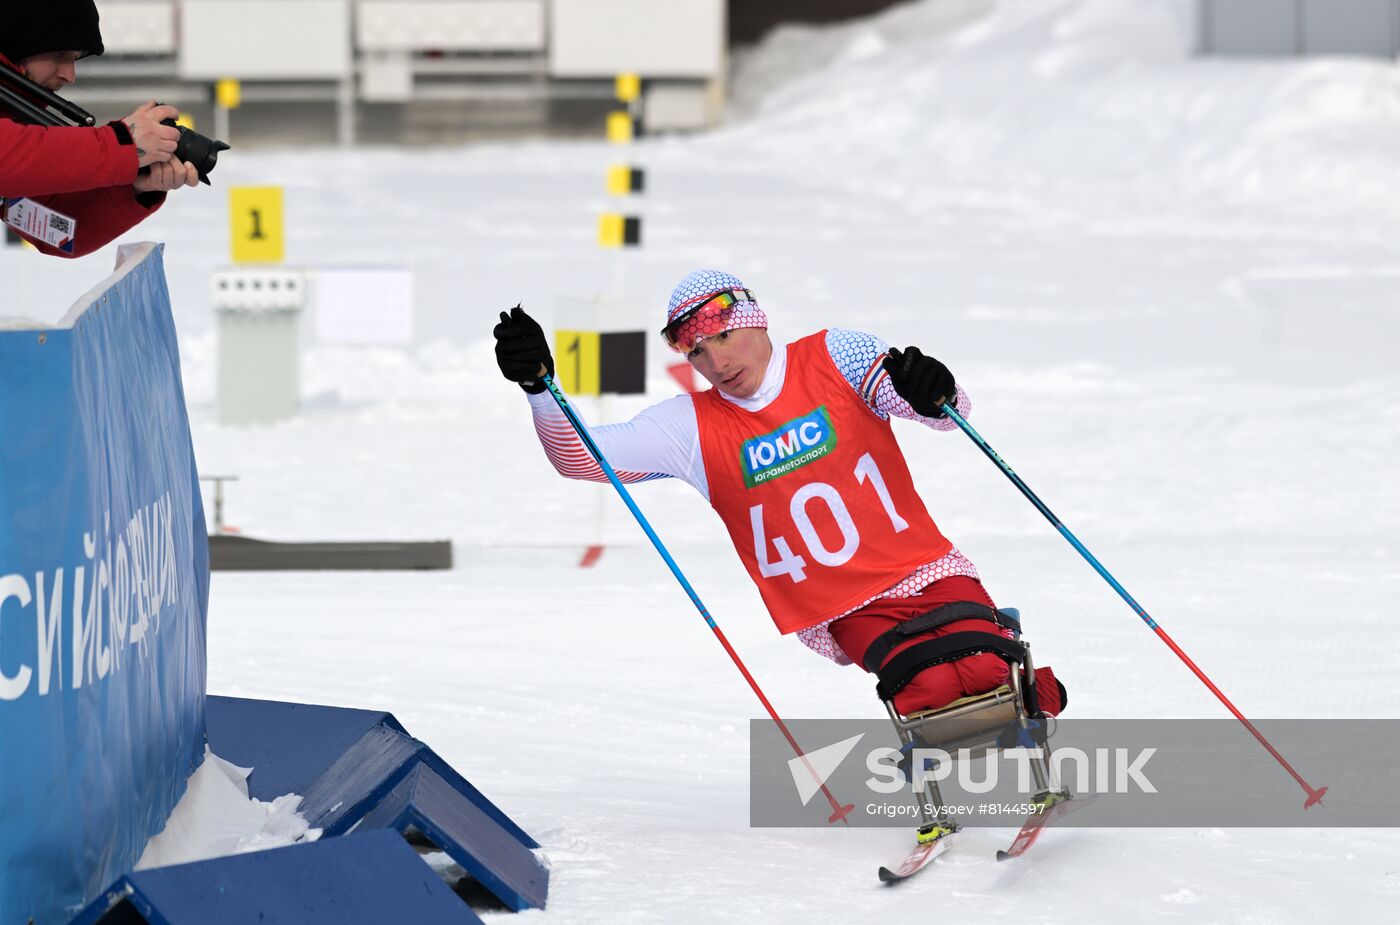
(794, 566)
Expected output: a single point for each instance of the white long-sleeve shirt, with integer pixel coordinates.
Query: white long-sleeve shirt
(663, 441)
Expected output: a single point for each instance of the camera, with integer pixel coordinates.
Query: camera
(194, 148)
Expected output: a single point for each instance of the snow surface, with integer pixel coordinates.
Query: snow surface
(1170, 286)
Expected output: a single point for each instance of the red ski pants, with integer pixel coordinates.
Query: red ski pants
(939, 684)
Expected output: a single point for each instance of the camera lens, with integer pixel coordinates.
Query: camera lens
(194, 148)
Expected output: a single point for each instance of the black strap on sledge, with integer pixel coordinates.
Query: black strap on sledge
(902, 669)
(901, 633)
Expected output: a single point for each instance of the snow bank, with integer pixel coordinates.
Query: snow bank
(1066, 94)
(216, 817)
(796, 50)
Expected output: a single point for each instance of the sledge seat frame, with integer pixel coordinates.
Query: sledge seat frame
(1000, 718)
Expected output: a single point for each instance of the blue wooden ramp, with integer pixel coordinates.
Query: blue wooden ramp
(369, 877)
(361, 769)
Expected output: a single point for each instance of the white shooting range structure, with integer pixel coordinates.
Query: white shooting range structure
(345, 52)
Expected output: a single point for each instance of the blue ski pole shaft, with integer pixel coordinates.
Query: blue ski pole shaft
(1314, 795)
(839, 812)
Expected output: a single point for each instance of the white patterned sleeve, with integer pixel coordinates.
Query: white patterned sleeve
(662, 441)
(860, 357)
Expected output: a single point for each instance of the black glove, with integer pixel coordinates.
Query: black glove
(922, 381)
(521, 349)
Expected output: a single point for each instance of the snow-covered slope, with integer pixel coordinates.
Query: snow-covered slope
(1079, 93)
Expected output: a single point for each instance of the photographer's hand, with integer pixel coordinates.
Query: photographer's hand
(167, 176)
(155, 143)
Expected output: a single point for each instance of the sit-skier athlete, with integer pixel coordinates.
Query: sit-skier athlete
(793, 449)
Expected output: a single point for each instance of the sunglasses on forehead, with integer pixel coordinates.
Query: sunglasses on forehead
(711, 314)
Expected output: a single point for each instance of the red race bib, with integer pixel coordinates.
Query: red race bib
(815, 493)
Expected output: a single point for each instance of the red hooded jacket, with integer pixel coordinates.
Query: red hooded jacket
(85, 173)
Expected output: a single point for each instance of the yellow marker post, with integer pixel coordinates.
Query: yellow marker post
(628, 87)
(255, 224)
(619, 127)
(186, 120)
(228, 93)
(578, 361)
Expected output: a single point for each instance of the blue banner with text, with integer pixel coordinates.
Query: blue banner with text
(104, 581)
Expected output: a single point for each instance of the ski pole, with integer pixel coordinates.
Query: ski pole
(838, 812)
(1314, 796)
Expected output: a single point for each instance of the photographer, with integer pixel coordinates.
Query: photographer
(88, 176)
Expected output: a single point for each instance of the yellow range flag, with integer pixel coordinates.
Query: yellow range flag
(619, 180)
(610, 230)
(619, 230)
(255, 224)
(628, 87)
(619, 127)
(578, 361)
(228, 93)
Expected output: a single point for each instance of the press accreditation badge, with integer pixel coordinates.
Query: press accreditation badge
(41, 223)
